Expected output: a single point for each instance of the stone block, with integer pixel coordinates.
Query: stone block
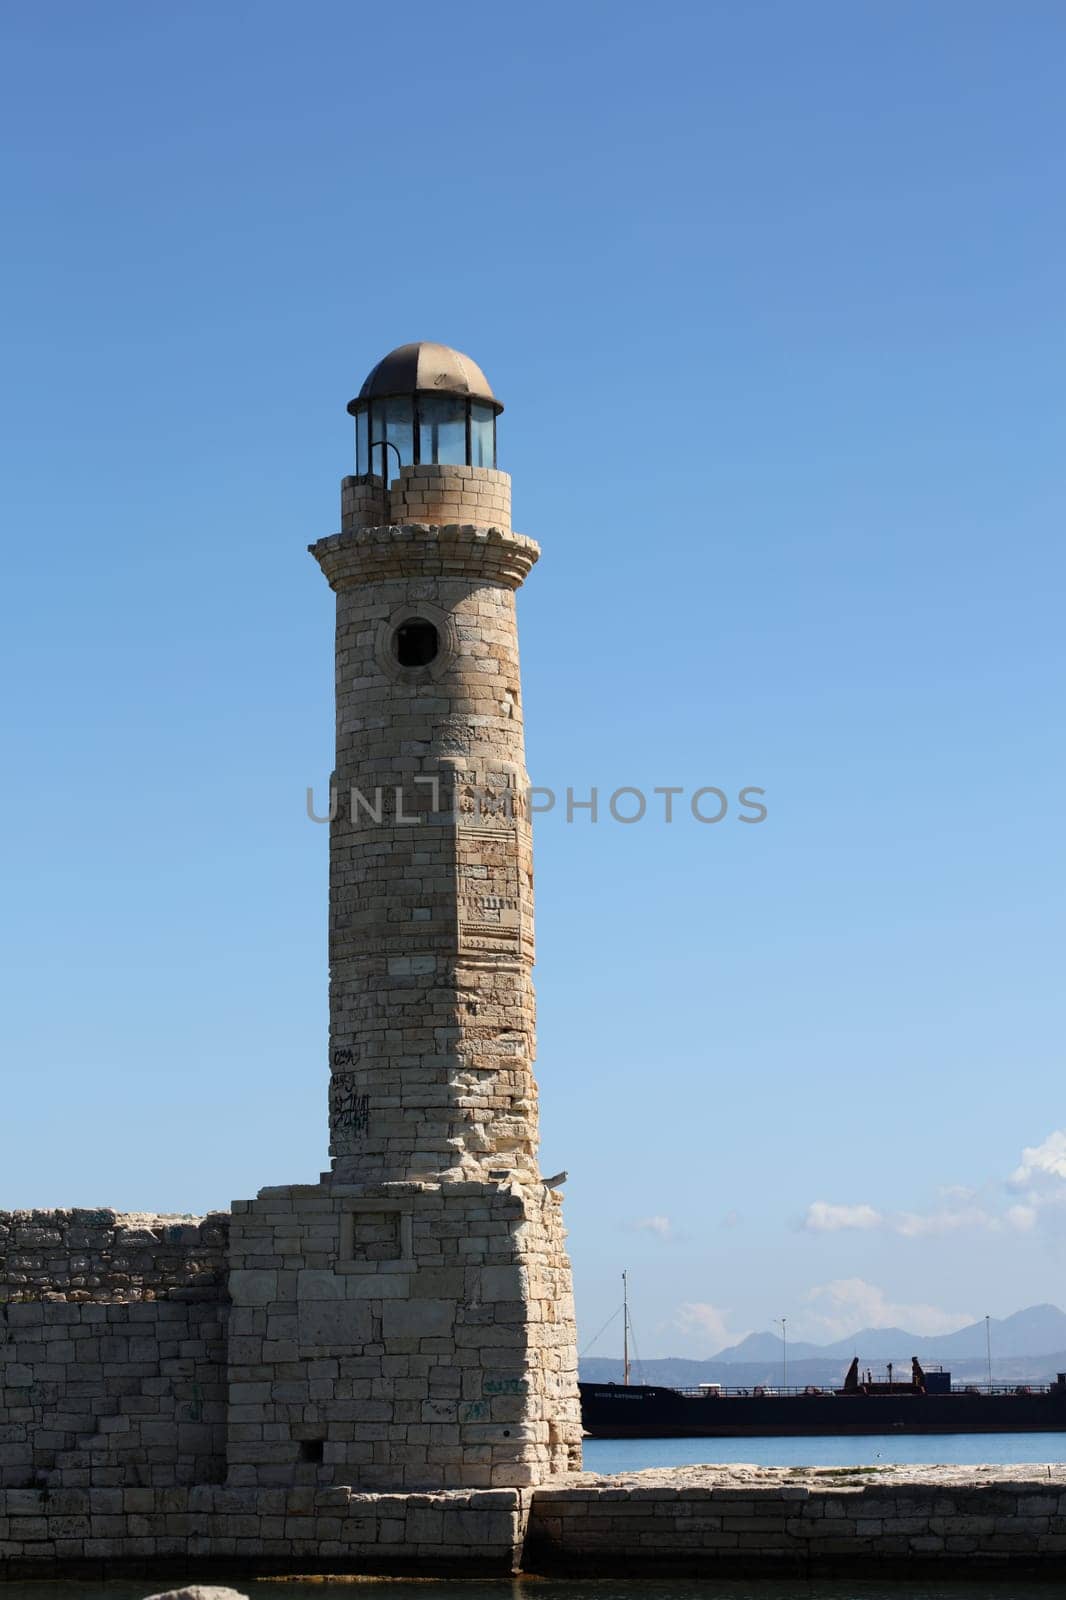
(319, 1284)
(378, 1286)
(254, 1286)
(417, 1318)
(445, 1283)
(23, 1314)
(345, 1323)
(504, 1283)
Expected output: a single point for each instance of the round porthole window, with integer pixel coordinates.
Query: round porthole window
(416, 642)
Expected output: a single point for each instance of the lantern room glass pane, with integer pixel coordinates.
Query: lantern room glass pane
(362, 459)
(442, 429)
(482, 436)
(392, 420)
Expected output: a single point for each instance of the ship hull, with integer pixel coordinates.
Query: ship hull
(648, 1412)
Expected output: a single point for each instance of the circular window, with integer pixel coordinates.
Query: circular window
(416, 642)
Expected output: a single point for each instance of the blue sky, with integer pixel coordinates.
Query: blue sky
(773, 296)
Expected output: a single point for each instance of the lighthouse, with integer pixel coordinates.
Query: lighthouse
(408, 1322)
(431, 870)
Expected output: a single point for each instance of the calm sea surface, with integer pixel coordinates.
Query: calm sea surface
(542, 1589)
(631, 1455)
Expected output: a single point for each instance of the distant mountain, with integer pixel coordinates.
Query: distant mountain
(1029, 1346)
(767, 1347)
(677, 1373)
(1025, 1333)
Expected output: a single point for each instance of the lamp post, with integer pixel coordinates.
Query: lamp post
(783, 1322)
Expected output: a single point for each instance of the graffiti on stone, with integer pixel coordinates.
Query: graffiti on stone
(349, 1110)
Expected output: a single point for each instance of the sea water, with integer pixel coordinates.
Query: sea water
(551, 1589)
(869, 1449)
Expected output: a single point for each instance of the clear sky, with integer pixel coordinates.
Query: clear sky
(773, 293)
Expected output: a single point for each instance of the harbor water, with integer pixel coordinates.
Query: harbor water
(546, 1589)
(929, 1449)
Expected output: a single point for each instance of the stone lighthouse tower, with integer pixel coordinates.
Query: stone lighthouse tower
(408, 1322)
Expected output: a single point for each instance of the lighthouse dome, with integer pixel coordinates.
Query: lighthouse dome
(425, 368)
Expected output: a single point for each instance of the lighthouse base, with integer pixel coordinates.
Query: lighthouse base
(401, 1336)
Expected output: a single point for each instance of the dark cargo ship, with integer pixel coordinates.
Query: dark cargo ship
(925, 1404)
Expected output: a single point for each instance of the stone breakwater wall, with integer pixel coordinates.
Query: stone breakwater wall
(112, 1350)
(214, 1530)
(744, 1521)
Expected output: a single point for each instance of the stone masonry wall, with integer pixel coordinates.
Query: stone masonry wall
(107, 1256)
(432, 494)
(112, 1349)
(438, 494)
(217, 1531)
(406, 1336)
(742, 1521)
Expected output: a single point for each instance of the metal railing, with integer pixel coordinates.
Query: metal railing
(769, 1390)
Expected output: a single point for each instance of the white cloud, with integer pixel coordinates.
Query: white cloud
(662, 1227)
(825, 1218)
(706, 1324)
(1038, 1183)
(1042, 1161)
(920, 1224)
(847, 1304)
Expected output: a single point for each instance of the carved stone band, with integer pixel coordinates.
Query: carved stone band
(418, 550)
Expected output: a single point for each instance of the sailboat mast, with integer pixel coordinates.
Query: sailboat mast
(625, 1329)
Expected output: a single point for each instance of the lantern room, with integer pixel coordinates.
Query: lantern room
(424, 404)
